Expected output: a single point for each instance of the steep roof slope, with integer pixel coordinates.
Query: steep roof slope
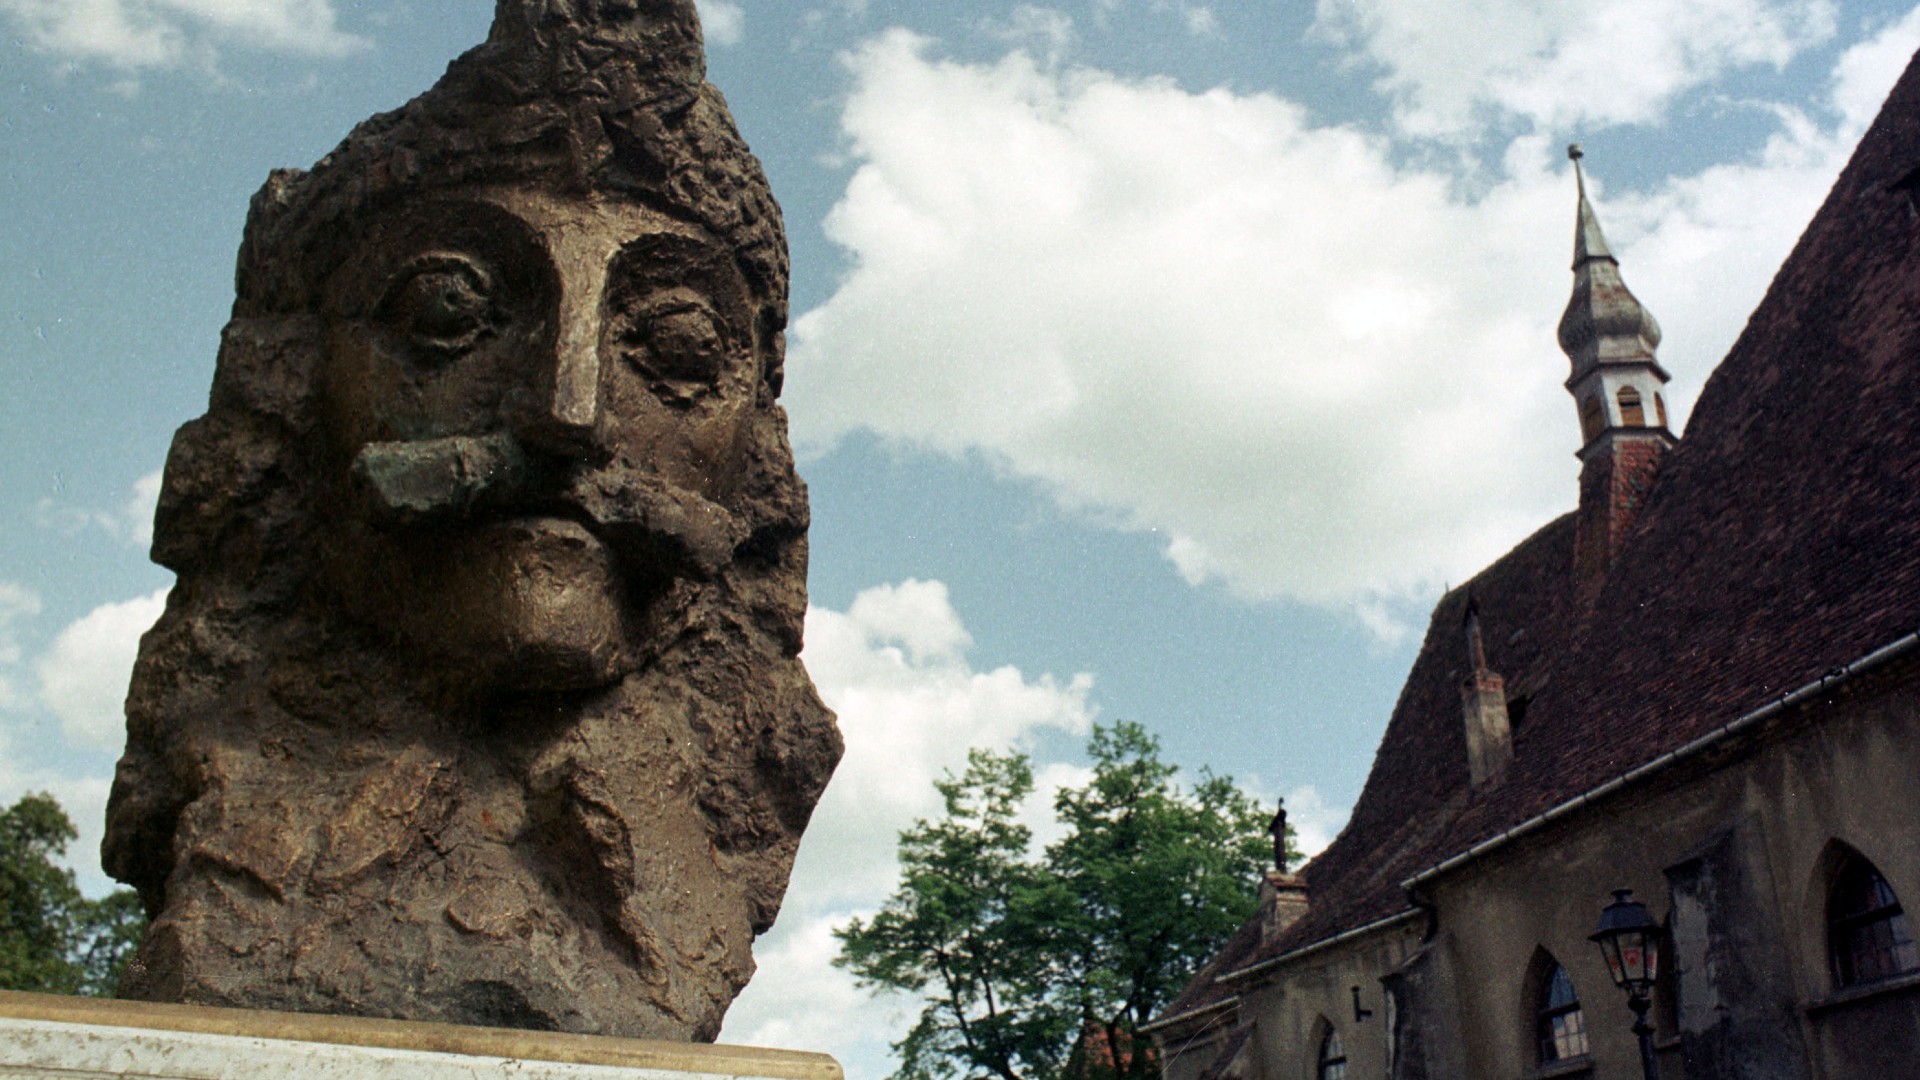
(1781, 540)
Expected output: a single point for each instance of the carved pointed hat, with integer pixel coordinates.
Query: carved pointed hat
(580, 96)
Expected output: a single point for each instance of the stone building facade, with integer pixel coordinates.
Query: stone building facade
(1703, 684)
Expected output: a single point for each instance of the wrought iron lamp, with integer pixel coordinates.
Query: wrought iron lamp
(1630, 940)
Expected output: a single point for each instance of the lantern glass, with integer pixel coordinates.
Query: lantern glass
(1610, 948)
(1630, 940)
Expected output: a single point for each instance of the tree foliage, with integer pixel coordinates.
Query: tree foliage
(1032, 965)
(53, 939)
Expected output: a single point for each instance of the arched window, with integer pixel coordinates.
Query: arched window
(1593, 418)
(1867, 933)
(1631, 414)
(1561, 1028)
(1333, 1056)
(1660, 407)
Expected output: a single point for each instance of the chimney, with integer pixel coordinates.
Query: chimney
(1283, 902)
(1483, 701)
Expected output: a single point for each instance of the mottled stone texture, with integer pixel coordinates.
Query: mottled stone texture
(478, 697)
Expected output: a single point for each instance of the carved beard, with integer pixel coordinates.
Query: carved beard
(351, 847)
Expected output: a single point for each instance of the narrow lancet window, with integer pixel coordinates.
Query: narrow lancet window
(1561, 1027)
(1867, 931)
(1333, 1057)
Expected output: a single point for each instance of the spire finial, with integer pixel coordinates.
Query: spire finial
(1277, 828)
(1588, 241)
(1605, 319)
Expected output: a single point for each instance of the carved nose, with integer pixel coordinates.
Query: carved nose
(563, 414)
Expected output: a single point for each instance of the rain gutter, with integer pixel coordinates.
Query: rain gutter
(1169, 1021)
(1726, 731)
(1323, 943)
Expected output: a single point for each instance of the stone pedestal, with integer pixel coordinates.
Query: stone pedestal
(83, 1039)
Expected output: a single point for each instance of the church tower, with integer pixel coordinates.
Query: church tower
(1619, 388)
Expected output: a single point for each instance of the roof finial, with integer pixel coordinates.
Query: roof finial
(1588, 241)
(1277, 828)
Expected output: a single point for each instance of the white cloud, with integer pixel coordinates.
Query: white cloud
(132, 521)
(138, 512)
(894, 667)
(1448, 67)
(84, 674)
(1197, 18)
(1868, 70)
(1050, 30)
(164, 33)
(799, 1001)
(83, 797)
(16, 602)
(1315, 824)
(1317, 372)
(1200, 20)
(723, 21)
(81, 792)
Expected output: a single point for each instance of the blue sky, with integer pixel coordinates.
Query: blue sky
(1153, 359)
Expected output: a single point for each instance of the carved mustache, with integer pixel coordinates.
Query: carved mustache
(429, 482)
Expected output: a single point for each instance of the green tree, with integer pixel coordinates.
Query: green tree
(1030, 965)
(954, 930)
(1145, 885)
(52, 938)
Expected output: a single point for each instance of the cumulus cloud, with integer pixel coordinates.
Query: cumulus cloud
(894, 667)
(131, 521)
(1449, 67)
(1868, 70)
(1315, 371)
(800, 1001)
(138, 512)
(1049, 30)
(17, 602)
(1200, 20)
(1315, 823)
(134, 34)
(81, 788)
(84, 674)
(83, 797)
(723, 21)
(1197, 18)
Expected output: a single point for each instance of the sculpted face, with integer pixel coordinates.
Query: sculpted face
(540, 404)
(478, 699)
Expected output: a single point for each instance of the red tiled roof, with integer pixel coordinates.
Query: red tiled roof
(1781, 540)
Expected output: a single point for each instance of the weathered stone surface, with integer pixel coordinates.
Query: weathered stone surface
(83, 1038)
(478, 697)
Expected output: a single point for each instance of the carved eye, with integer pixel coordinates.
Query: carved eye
(440, 306)
(680, 347)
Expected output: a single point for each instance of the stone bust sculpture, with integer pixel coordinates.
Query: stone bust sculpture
(478, 698)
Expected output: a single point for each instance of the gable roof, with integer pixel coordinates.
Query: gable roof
(1780, 541)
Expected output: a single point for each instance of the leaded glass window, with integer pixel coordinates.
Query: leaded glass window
(1333, 1057)
(1562, 1029)
(1867, 930)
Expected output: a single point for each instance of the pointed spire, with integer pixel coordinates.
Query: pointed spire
(1618, 388)
(1604, 323)
(1588, 241)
